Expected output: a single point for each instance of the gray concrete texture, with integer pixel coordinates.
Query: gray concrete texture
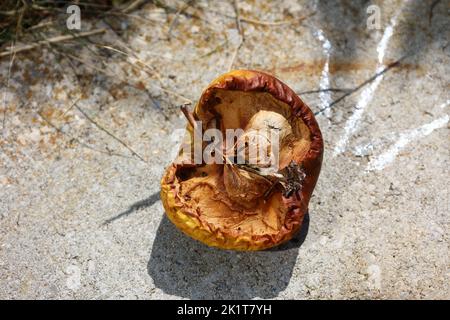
(80, 214)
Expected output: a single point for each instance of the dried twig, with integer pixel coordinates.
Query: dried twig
(52, 40)
(366, 82)
(109, 133)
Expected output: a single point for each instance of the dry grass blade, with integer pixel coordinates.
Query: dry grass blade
(71, 107)
(77, 140)
(241, 33)
(151, 71)
(127, 80)
(133, 5)
(238, 18)
(74, 104)
(186, 5)
(275, 23)
(141, 65)
(11, 62)
(325, 90)
(52, 40)
(109, 133)
(234, 56)
(41, 25)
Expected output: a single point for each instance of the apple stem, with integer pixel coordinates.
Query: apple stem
(188, 114)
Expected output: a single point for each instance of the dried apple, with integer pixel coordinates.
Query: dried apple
(252, 200)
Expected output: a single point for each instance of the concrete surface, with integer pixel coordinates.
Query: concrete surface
(80, 215)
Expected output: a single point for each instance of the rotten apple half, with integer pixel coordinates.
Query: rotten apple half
(246, 205)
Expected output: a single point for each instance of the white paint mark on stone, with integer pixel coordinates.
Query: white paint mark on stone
(367, 94)
(445, 104)
(389, 156)
(323, 240)
(324, 83)
(73, 281)
(374, 277)
(382, 45)
(352, 123)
